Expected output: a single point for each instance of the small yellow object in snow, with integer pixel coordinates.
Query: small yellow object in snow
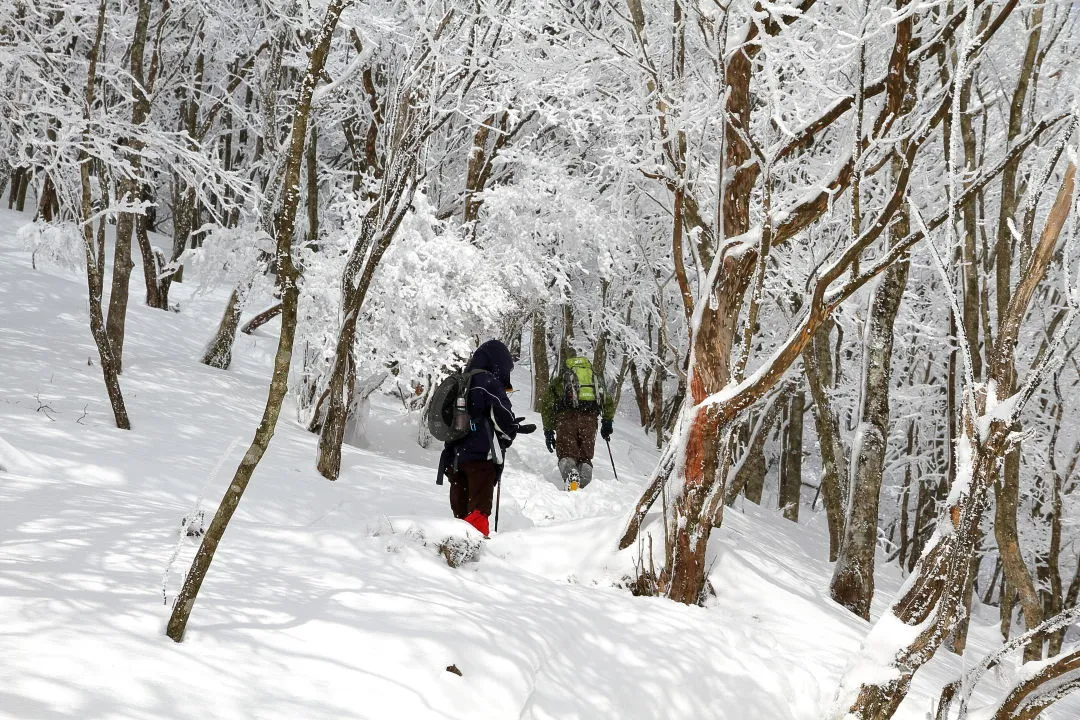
(573, 485)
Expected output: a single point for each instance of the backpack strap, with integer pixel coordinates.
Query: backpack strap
(468, 378)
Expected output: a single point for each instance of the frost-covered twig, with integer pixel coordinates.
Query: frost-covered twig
(44, 407)
(196, 512)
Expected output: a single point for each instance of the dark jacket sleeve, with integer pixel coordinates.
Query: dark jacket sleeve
(488, 402)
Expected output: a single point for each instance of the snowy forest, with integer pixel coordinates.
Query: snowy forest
(821, 257)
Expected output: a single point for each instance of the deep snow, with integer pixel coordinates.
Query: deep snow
(328, 600)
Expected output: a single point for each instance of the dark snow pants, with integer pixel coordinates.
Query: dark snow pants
(471, 487)
(575, 435)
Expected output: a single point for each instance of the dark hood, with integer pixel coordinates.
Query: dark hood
(494, 357)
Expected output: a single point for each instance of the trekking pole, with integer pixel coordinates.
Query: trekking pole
(612, 460)
(498, 496)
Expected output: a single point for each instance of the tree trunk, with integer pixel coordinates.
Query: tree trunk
(970, 217)
(620, 382)
(378, 229)
(47, 204)
(1036, 693)
(683, 577)
(287, 277)
(641, 395)
(342, 375)
(313, 188)
(218, 352)
(1006, 531)
(185, 601)
(817, 366)
(971, 313)
(360, 409)
(184, 212)
(541, 371)
(933, 596)
(749, 477)
(95, 279)
(566, 349)
(376, 234)
(16, 183)
(1054, 597)
(5, 176)
(905, 500)
(657, 400)
(475, 176)
(153, 263)
(600, 351)
(958, 644)
(118, 298)
(853, 577)
(23, 186)
(511, 330)
(692, 461)
(128, 193)
(95, 249)
(1007, 488)
(790, 494)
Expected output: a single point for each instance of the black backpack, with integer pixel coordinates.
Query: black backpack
(448, 414)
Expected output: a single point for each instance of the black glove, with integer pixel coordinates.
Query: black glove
(549, 440)
(605, 429)
(526, 428)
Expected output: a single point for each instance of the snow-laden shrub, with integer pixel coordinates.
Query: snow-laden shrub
(228, 256)
(59, 245)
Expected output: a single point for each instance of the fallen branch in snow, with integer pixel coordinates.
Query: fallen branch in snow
(261, 319)
(43, 408)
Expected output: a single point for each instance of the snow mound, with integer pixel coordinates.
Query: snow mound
(13, 460)
(454, 540)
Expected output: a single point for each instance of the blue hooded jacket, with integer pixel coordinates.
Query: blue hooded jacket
(493, 423)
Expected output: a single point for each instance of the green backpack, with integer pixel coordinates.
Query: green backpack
(578, 382)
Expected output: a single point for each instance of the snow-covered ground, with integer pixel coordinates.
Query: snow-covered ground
(329, 600)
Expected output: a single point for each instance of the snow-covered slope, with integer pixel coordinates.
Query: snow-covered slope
(329, 600)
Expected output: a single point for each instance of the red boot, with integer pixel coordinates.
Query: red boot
(479, 521)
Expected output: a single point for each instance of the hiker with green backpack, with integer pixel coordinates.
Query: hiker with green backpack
(574, 400)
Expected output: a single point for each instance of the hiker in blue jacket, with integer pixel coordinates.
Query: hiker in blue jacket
(474, 463)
